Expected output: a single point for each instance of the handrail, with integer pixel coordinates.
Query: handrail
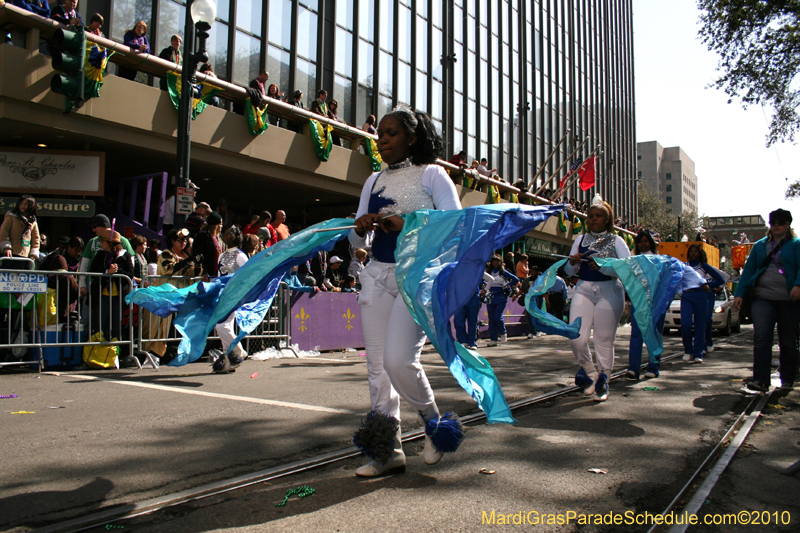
(152, 64)
(510, 188)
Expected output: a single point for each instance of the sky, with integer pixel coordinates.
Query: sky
(737, 173)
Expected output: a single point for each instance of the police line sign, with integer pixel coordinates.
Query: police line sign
(23, 282)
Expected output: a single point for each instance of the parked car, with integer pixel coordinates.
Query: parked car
(724, 318)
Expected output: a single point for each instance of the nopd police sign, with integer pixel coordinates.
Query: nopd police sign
(23, 282)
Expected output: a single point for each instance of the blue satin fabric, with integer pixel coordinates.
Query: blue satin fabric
(441, 257)
(651, 282)
(248, 292)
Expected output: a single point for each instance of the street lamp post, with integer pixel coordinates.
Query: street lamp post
(200, 15)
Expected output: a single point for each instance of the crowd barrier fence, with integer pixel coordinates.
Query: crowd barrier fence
(47, 320)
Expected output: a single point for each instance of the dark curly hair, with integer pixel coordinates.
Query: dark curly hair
(429, 146)
(236, 236)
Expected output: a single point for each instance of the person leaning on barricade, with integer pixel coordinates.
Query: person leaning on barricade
(64, 286)
(100, 225)
(108, 294)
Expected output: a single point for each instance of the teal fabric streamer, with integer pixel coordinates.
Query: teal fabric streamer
(651, 282)
(161, 300)
(441, 256)
(543, 320)
(248, 292)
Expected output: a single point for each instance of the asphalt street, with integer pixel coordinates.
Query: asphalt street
(94, 440)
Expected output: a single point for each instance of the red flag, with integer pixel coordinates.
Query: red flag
(587, 174)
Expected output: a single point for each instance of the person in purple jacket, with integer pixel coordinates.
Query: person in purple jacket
(40, 7)
(136, 39)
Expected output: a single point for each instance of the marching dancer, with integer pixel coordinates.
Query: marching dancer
(409, 144)
(497, 305)
(229, 262)
(599, 298)
(694, 305)
(644, 245)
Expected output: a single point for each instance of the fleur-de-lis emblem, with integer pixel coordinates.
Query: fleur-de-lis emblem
(349, 316)
(303, 316)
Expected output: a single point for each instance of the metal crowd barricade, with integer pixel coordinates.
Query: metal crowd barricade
(157, 335)
(47, 322)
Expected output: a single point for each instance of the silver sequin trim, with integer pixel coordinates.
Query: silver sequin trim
(604, 246)
(404, 187)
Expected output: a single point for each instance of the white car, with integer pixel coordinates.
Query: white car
(724, 318)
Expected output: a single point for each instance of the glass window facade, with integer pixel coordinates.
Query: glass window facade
(503, 79)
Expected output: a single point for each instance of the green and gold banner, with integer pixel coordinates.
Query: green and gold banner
(321, 138)
(207, 93)
(494, 194)
(255, 118)
(374, 154)
(577, 225)
(95, 69)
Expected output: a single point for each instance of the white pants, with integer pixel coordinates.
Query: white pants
(393, 344)
(226, 335)
(600, 305)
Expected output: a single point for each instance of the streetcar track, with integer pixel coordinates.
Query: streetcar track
(132, 510)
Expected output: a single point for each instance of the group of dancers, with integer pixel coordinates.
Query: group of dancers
(412, 181)
(409, 145)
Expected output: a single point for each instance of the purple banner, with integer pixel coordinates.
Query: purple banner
(330, 321)
(326, 321)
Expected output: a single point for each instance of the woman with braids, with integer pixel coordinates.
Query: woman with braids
(409, 144)
(694, 305)
(599, 298)
(643, 245)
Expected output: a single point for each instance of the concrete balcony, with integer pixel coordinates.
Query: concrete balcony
(136, 126)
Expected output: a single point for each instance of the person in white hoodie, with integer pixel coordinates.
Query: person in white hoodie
(599, 298)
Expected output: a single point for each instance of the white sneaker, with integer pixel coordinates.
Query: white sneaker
(530, 335)
(650, 375)
(709, 349)
(491, 343)
(688, 357)
(503, 338)
(395, 465)
(430, 453)
(541, 334)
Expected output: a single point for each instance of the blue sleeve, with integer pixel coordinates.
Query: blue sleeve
(717, 280)
(57, 14)
(40, 7)
(127, 40)
(564, 292)
(511, 278)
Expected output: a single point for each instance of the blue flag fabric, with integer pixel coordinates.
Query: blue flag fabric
(162, 300)
(249, 292)
(441, 257)
(544, 321)
(651, 282)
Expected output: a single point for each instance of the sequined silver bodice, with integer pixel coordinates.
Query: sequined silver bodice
(604, 245)
(227, 261)
(403, 187)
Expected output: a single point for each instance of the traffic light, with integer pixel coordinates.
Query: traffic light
(69, 58)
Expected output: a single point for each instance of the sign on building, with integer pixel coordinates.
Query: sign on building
(53, 207)
(52, 171)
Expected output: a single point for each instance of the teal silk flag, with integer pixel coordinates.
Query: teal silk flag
(651, 282)
(441, 257)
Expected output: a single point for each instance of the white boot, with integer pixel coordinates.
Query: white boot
(430, 454)
(395, 465)
(503, 338)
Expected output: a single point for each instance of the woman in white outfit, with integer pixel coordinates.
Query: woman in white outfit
(409, 144)
(599, 298)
